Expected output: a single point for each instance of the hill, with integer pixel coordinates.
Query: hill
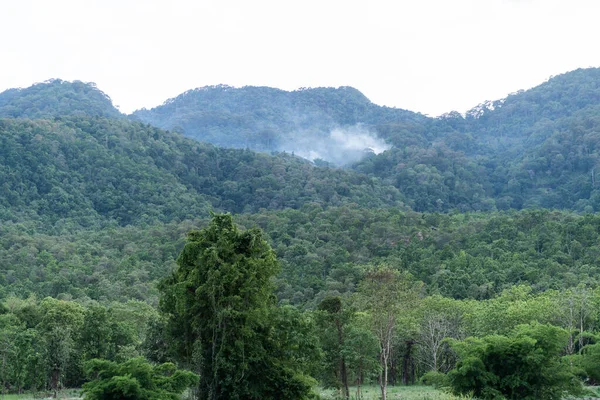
(323, 251)
(56, 98)
(536, 148)
(334, 124)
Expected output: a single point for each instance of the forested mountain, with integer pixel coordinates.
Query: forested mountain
(57, 98)
(335, 124)
(323, 251)
(536, 148)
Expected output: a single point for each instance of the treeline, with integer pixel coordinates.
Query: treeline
(534, 149)
(54, 98)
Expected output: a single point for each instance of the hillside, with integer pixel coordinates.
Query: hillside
(536, 148)
(336, 125)
(90, 170)
(95, 207)
(322, 251)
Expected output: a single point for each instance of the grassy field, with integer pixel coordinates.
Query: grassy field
(64, 395)
(368, 393)
(395, 392)
(420, 393)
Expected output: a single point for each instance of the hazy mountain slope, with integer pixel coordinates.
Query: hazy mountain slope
(56, 98)
(559, 97)
(334, 124)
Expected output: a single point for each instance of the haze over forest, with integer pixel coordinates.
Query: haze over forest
(480, 225)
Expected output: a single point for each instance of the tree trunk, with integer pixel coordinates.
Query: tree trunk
(407, 362)
(343, 372)
(383, 376)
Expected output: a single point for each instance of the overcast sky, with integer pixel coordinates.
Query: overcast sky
(430, 56)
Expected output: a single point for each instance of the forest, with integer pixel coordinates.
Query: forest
(188, 251)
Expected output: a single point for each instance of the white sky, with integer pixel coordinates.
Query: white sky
(430, 56)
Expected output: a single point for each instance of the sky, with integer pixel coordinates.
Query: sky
(428, 56)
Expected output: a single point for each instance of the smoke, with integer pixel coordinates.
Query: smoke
(339, 146)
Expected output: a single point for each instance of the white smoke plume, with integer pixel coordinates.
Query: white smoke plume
(340, 146)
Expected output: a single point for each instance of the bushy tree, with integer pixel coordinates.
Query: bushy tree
(219, 303)
(135, 379)
(525, 365)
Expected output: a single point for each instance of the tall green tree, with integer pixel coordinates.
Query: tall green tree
(60, 325)
(218, 302)
(333, 320)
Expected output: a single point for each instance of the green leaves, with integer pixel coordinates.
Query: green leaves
(524, 365)
(135, 379)
(221, 320)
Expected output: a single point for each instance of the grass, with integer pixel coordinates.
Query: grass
(372, 392)
(64, 395)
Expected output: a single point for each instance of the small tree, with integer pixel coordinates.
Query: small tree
(384, 293)
(360, 351)
(440, 318)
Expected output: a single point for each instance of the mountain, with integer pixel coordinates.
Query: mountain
(334, 124)
(56, 98)
(96, 204)
(536, 148)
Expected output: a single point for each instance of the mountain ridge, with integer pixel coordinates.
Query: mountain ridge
(535, 148)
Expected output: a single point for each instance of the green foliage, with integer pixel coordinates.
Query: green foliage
(95, 207)
(135, 379)
(525, 365)
(55, 98)
(386, 294)
(45, 343)
(82, 171)
(267, 119)
(436, 379)
(536, 148)
(219, 303)
(589, 359)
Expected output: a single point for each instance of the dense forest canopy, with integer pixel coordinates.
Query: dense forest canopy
(480, 225)
(94, 170)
